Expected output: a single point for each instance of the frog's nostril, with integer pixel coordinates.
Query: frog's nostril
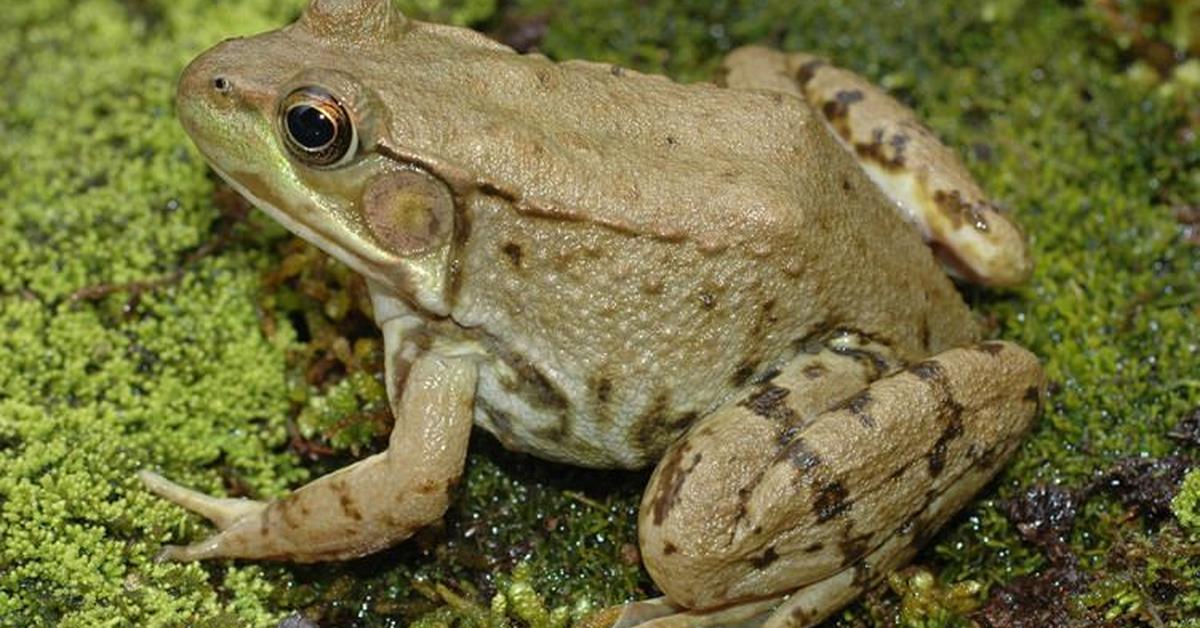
(221, 84)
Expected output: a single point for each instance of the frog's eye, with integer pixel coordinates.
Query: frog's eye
(316, 128)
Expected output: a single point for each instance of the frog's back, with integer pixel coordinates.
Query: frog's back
(595, 142)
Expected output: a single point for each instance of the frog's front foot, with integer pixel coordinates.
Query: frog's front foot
(786, 497)
(362, 508)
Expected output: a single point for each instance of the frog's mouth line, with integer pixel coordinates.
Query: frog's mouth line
(306, 232)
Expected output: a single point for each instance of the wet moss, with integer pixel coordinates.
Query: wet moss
(214, 348)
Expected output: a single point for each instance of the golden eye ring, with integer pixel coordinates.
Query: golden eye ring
(316, 128)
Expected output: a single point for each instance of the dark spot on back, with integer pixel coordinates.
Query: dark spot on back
(514, 253)
(707, 300)
(744, 371)
(349, 508)
(769, 556)
(846, 187)
(937, 454)
(603, 390)
(991, 348)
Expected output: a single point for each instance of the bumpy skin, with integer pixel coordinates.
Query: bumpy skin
(588, 262)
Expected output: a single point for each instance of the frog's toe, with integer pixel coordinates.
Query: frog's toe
(222, 511)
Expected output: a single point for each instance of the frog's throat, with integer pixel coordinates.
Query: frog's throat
(309, 233)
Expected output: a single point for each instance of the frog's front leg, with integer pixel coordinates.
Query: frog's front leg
(774, 497)
(362, 508)
(923, 177)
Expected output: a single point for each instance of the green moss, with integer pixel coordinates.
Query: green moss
(99, 187)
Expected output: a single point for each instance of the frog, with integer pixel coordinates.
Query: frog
(747, 284)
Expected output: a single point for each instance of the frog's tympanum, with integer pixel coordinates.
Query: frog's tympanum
(736, 282)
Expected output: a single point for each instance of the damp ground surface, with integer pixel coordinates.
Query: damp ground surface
(149, 320)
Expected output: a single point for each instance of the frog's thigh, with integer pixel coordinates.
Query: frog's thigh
(362, 508)
(928, 183)
(767, 497)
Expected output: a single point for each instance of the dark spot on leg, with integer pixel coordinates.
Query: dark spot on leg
(1032, 394)
(846, 187)
(937, 454)
(428, 487)
(768, 402)
(815, 370)
(801, 457)
(349, 508)
(805, 72)
(514, 253)
(673, 475)
(769, 556)
(927, 370)
(814, 548)
(831, 501)
(857, 405)
(669, 548)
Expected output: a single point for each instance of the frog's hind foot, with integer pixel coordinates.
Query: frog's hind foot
(223, 512)
(815, 485)
(924, 178)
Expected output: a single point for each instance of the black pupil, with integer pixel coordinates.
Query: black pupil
(310, 127)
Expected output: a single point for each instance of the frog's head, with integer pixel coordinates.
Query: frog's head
(282, 117)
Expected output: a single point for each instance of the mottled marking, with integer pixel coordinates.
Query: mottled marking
(1032, 394)
(768, 402)
(744, 371)
(831, 501)
(787, 435)
(673, 477)
(671, 141)
(846, 187)
(514, 253)
(814, 548)
(878, 148)
(990, 348)
(427, 487)
(761, 562)
(669, 548)
(808, 70)
(815, 370)
(707, 300)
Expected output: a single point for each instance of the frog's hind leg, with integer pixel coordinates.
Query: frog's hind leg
(925, 179)
(809, 488)
(362, 508)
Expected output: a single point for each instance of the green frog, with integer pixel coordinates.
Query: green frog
(737, 282)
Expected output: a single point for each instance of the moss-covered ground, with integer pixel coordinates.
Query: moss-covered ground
(147, 321)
